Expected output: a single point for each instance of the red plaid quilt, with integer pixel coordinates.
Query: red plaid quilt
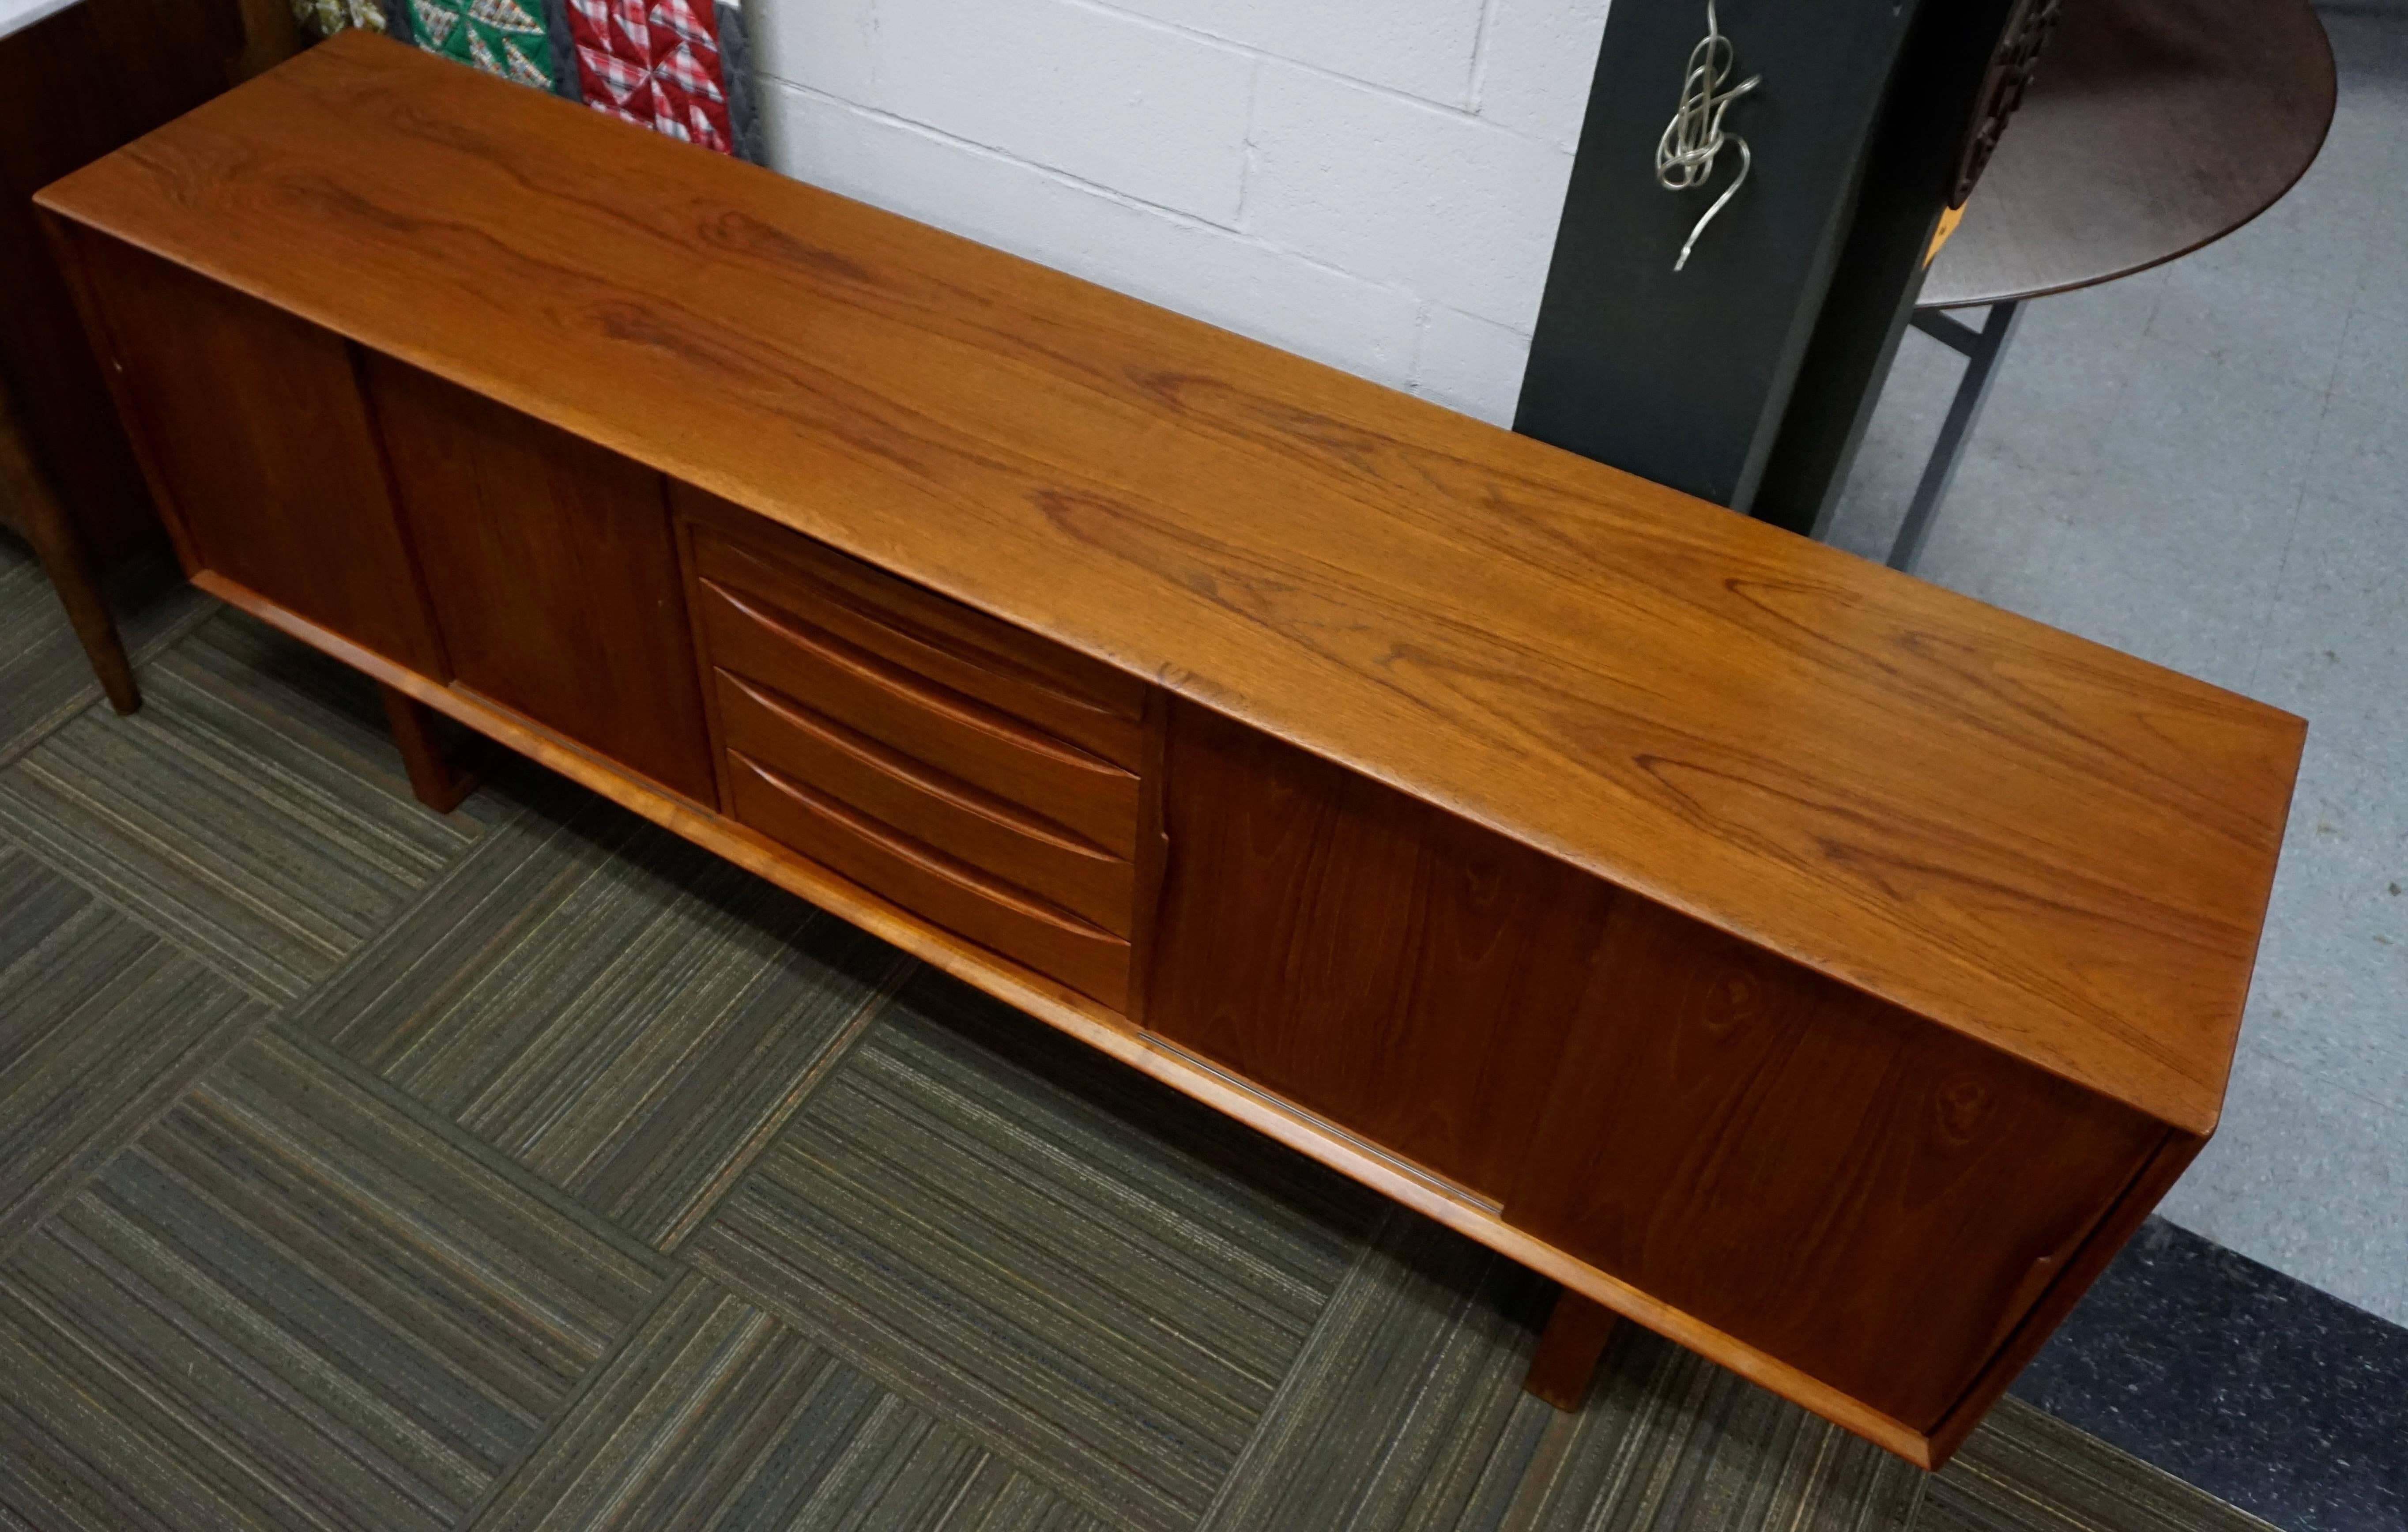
(654, 62)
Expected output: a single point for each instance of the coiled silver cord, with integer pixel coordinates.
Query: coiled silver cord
(1684, 156)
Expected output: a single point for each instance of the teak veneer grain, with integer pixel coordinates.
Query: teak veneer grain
(1822, 969)
(2057, 850)
(1440, 965)
(247, 468)
(551, 567)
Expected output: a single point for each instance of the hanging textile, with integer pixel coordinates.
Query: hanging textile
(735, 79)
(506, 38)
(324, 18)
(564, 49)
(653, 63)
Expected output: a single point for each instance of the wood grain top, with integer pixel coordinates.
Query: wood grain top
(2057, 850)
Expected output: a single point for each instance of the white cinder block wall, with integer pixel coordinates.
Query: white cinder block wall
(1372, 184)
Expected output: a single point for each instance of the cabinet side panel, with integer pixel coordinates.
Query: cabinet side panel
(254, 425)
(1870, 1197)
(554, 573)
(1406, 975)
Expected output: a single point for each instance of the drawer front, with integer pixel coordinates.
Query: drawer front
(1065, 694)
(960, 735)
(981, 778)
(937, 887)
(943, 812)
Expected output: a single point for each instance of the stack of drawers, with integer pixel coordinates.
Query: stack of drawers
(977, 776)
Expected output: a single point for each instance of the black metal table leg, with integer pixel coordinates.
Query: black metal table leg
(1981, 350)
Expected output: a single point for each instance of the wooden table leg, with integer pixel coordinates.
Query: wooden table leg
(437, 781)
(59, 547)
(1569, 1349)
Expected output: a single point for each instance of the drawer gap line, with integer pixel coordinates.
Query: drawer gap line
(926, 857)
(930, 694)
(930, 779)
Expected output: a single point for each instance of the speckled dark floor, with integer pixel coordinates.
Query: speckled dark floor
(2250, 1384)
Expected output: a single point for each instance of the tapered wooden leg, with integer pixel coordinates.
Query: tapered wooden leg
(1569, 1349)
(437, 781)
(59, 547)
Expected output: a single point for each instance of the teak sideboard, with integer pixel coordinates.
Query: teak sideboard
(1817, 967)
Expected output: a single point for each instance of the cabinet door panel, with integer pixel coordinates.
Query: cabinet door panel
(1406, 975)
(553, 574)
(1865, 1195)
(252, 423)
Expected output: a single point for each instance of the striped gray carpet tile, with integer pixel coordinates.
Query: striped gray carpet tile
(1406, 1411)
(628, 1015)
(1295, 1190)
(715, 1415)
(292, 689)
(1669, 1440)
(44, 678)
(2023, 1470)
(1408, 1390)
(542, 838)
(101, 1024)
(1059, 1272)
(263, 829)
(298, 1301)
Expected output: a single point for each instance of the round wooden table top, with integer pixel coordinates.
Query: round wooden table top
(2151, 128)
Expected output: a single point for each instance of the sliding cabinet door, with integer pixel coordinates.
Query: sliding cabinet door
(260, 448)
(1863, 1194)
(554, 573)
(1386, 965)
